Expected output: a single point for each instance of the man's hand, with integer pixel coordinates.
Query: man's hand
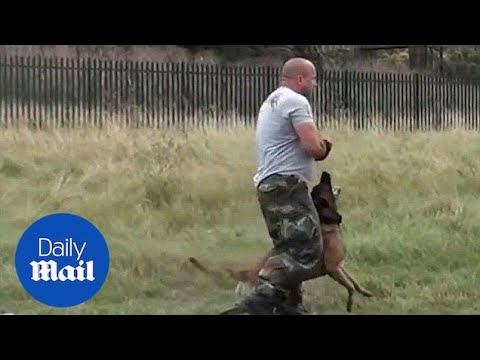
(328, 146)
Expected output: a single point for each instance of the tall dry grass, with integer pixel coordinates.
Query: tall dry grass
(409, 203)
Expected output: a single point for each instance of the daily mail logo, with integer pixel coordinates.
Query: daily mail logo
(62, 260)
(49, 270)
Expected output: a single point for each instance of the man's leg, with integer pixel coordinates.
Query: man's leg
(293, 305)
(293, 225)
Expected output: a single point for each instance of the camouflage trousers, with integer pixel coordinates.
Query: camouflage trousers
(294, 227)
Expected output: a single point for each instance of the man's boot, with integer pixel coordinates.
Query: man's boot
(264, 299)
(293, 305)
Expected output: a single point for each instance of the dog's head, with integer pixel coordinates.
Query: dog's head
(324, 198)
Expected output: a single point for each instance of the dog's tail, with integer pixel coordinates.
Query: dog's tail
(199, 266)
(203, 269)
(238, 275)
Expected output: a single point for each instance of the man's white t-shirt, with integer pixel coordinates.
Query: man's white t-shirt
(279, 150)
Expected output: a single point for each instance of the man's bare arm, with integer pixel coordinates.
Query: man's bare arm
(313, 143)
(298, 109)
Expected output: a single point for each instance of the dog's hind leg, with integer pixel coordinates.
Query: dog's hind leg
(340, 277)
(357, 286)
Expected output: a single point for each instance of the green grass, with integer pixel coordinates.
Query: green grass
(410, 206)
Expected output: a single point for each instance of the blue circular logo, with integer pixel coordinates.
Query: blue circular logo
(62, 260)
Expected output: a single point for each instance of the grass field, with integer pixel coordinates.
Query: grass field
(410, 206)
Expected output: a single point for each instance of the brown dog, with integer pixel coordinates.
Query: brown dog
(334, 253)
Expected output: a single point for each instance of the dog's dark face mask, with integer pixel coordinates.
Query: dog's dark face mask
(324, 200)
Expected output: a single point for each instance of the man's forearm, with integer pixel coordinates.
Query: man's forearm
(313, 143)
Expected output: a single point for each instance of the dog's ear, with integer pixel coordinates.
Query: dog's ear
(336, 190)
(326, 178)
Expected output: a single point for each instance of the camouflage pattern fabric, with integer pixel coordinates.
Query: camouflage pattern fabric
(294, 227)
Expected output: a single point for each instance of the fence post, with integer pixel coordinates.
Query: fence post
(416, 101)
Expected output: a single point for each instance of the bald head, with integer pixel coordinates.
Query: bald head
(297, 66)
(299, 74)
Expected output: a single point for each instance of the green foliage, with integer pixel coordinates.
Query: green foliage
(239, 52)
(463, 61)
(457, 60)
